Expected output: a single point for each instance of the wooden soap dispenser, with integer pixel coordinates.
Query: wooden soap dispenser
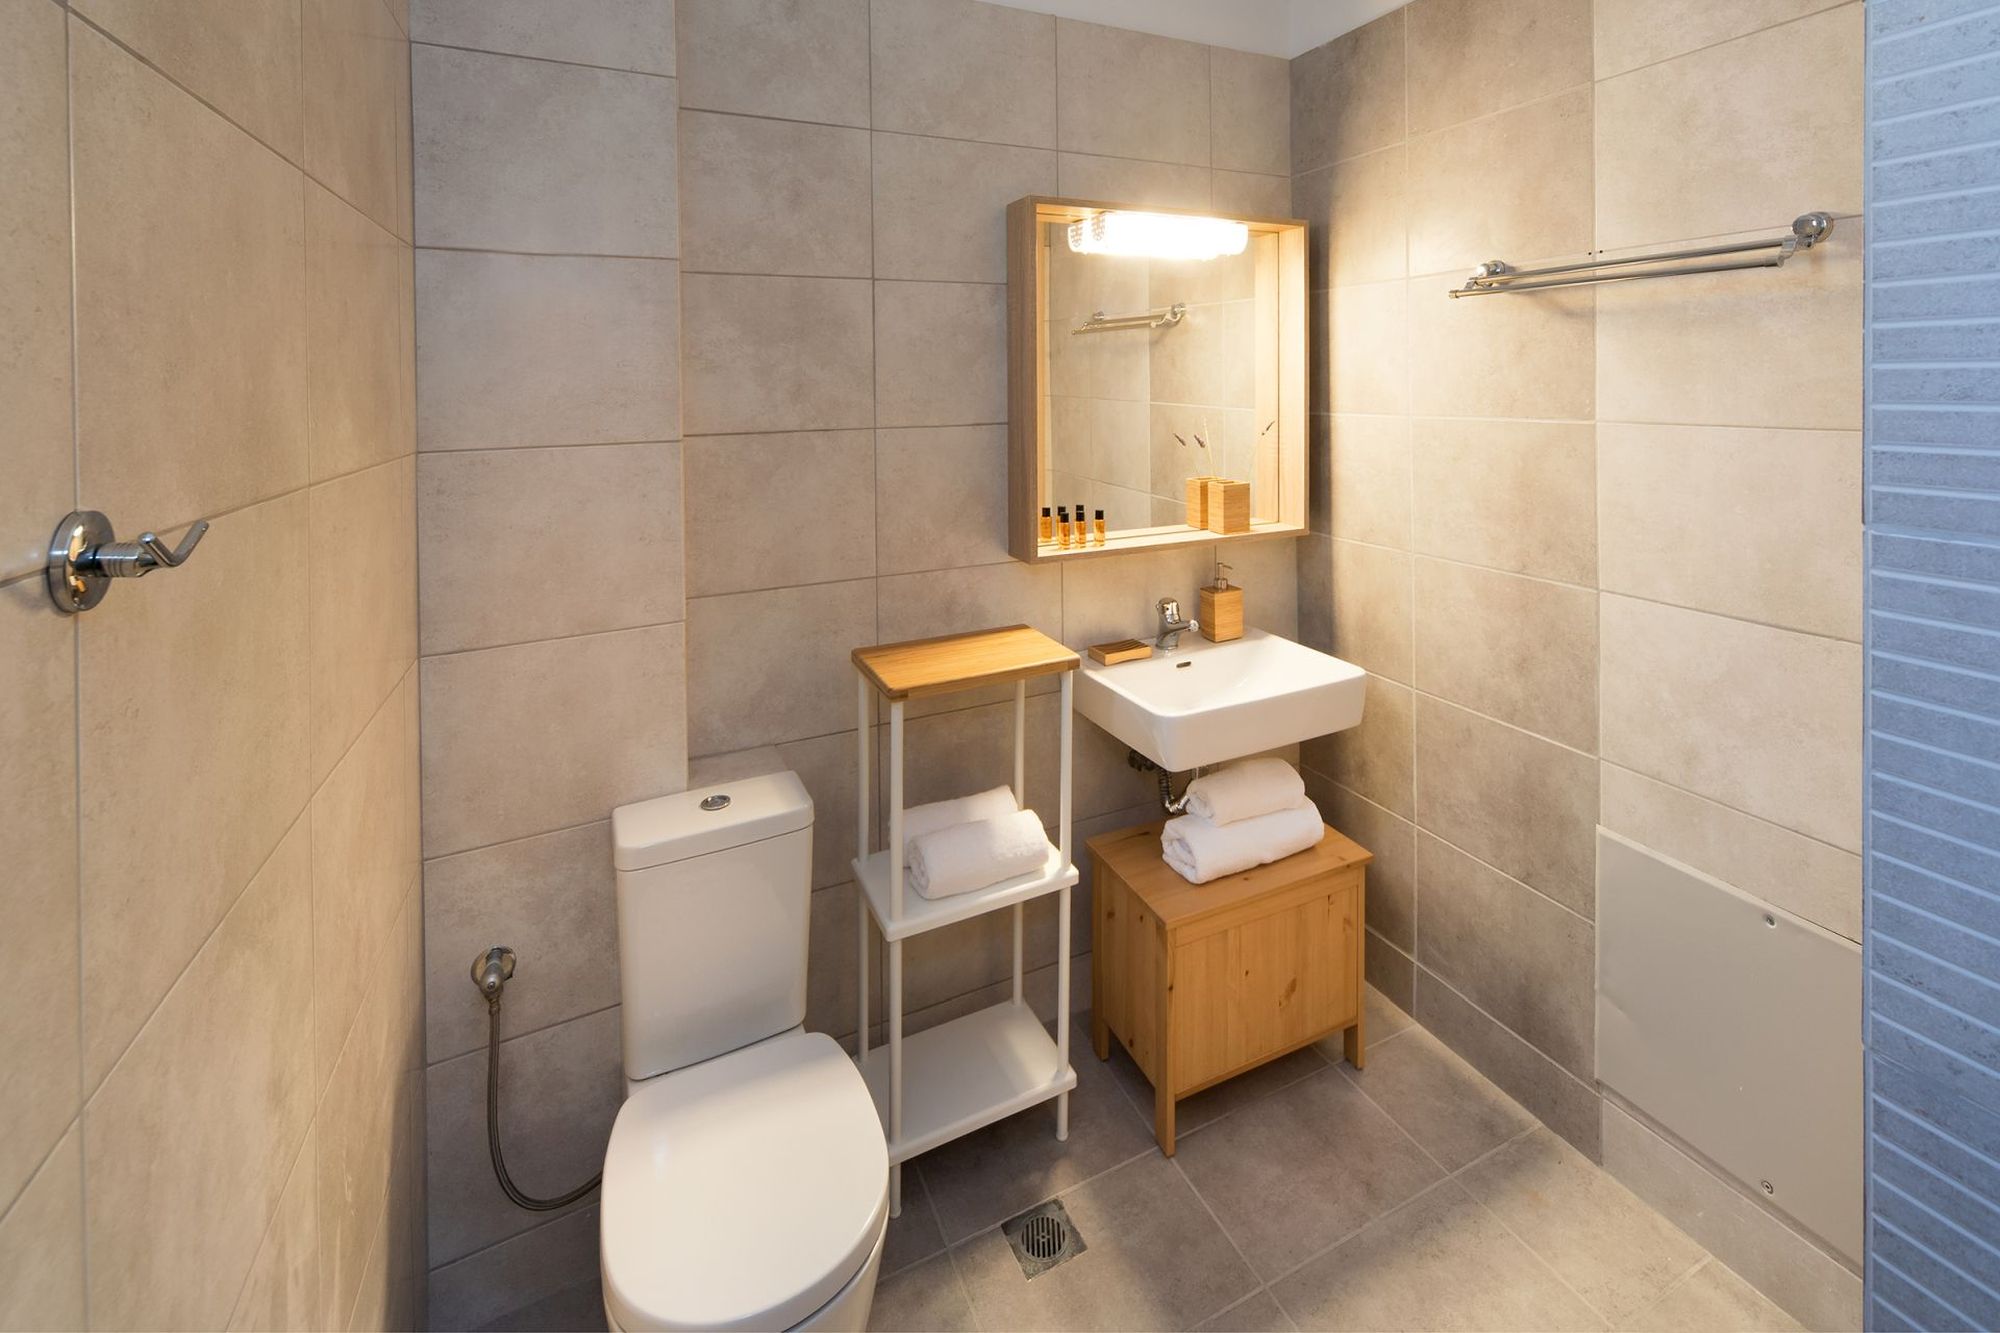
(1221, 612)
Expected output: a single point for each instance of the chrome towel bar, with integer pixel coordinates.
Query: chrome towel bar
(1496, 276)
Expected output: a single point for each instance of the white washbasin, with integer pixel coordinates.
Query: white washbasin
(1211, 702)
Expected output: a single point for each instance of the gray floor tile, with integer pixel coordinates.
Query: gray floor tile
(1155, 1261)
(1256, 1313)
(1606, 1243)
(1295, 1172)
(925, 1298)
(915, 1234)
(1713, 1300)
(988, 1176)
(1211, 1104)
(1442, 1101)
(1383, 1021)
(578, 1309)
(1442, 1262)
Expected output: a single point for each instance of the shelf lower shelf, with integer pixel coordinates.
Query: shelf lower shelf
(921, 914)
(967, 1073)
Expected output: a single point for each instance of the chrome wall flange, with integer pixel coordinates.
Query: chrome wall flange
(85, 555)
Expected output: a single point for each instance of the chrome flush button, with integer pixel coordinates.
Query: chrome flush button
(719, 801)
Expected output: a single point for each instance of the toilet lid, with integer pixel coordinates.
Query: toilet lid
(742, 1192)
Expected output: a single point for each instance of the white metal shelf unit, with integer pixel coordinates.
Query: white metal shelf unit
(961, 1075)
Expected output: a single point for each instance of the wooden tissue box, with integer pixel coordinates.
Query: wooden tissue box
(1228, 506)
(1221, 614)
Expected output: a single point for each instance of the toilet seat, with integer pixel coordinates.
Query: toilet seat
(742, 1192)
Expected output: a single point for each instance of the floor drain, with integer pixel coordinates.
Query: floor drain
(1042, 1237)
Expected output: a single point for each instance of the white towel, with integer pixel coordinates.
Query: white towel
(1244, 790)
(921, 819)
(1201, 851)
(973, 855)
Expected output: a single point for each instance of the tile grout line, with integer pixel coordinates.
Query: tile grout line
(1256, 1278)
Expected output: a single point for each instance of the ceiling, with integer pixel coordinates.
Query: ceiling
(1272, 27)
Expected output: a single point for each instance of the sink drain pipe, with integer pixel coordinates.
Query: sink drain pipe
(1168, 802)
(490, 971)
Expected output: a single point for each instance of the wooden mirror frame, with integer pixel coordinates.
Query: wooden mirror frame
(1028, 432)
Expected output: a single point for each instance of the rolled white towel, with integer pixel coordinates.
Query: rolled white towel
(973, 855)
(1200, 851)
(1244, 790)
(921, 819)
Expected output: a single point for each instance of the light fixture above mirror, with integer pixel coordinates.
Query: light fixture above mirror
(1157, 235)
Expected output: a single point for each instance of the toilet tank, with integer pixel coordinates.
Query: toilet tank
(714, 901)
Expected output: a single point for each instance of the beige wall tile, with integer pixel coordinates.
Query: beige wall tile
(775, 354)
(1348, 95)
(1250, 111)
(356, 65)
(538, 349)
(825, 764)
(1514, 357)
(1267, 571)
(1521, 804)
(964, 70)
(1392, 875)
(940, 353)
(365, 823)
(1631, 33)
(1764, 720)
(1474, 57)
(1248, 194)
(765, 667)
(282, 1291)
(1358, 213)
(499, 530)
(553, 898)
(542, 736)
(1370, 480)
(1518, 649)
(774, 196)
(1701, 353)
(38, 914)
(362, 605)
(1516, 954)
(1513, 495)
(1805, 877)
(1365, 333)
(563, 1089)
(38, 455)
(222, 708)
(1683, 149)
(190, 322)
(41, 1244)
(174, 1219)
(1371, 608)
(941, 497)
(771, 511)
(360, 385)
(1530, 170)
(1123, 180)
(1374, 759)
(518, 154)
(620, 34)
(940, 205)
(1103, 73)
(243, 61)
(729, 47)
(1557, 1098)
(1113, 597)
(1760, 524)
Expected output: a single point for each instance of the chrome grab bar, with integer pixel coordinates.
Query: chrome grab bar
(1496, 276)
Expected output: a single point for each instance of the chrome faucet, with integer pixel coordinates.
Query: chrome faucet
(1171, 625)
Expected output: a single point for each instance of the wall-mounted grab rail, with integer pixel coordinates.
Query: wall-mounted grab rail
(1496, 276)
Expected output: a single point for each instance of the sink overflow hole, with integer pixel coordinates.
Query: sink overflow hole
(1042, 1237)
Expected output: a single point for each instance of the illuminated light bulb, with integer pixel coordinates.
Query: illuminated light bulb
(1157, 236)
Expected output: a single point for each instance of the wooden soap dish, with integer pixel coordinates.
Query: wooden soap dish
(1124, 650)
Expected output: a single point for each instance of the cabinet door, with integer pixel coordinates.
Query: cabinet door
(1265, 983)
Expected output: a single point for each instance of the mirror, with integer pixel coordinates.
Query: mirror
(1157, 367)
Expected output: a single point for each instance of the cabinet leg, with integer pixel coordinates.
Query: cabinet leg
(1100, 1031)
(1355, 1044)
(1163, 1118)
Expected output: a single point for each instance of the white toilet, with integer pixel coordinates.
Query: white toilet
(746, 1185)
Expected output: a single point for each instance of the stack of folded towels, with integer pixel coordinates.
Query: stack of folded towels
(1249, 814)
(954, 847)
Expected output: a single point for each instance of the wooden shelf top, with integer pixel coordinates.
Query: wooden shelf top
(1134, 853)
(951, 662)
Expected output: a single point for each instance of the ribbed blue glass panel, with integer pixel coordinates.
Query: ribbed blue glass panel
(1932, 943)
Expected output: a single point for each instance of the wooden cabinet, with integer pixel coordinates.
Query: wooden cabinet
(1200, 982)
